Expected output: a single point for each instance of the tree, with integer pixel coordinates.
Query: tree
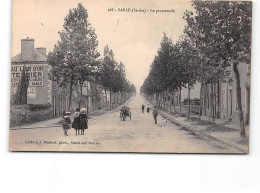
(74, 56)
(178, 65)
(132, 88)
(107, 71)
(236, 36)
(113, 76)
(157, 81)
(191, 65)
(20, 97)
(222, 33)
(203, 29)
(162, 67)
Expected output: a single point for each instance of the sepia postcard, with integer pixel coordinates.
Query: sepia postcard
(132, 76)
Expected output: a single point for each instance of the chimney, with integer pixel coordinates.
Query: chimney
(27, 49)
(42, 50)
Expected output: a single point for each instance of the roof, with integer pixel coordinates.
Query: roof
(39, 57)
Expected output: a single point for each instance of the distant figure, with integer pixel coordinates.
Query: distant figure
(142, 108)
(76, 121)
(83, 120)
(155, 114)
(148, 108)
(66, 123)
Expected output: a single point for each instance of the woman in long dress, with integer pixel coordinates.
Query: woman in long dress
(76, 121)
(83, 120)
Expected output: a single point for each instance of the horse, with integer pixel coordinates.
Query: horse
(124, 112)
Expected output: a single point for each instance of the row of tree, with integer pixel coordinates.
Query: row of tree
(112, 75)
(75, 58)
(216, 39)
(173, 68)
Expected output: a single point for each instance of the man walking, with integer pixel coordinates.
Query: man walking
(148, 108)
(155, 114)
(142, 108)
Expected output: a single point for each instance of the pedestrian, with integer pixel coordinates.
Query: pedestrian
(66, 123)
(148, 108)
(76, 121)
(155, 114)
(142, 108)
(83, 120)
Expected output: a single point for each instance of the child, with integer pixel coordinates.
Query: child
(76, 121)
(83, 120)
(66, 123)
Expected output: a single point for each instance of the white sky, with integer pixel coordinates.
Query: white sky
(133, 37)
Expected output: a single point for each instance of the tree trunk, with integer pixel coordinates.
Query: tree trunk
(168, 102)
(173, 102)
(70, 95)
(171, 99)
(188, 116)
(212, 104)
(163, 101)
(174, 109)
(200, 109)
(239, 104)
(160, 99)
(94, 103)
(117, 98)
(80, 95)
(219, 107)
(110, 101)
(113, 102)
(180, 101)
(20, 96)
(106, 97)
(87, 105)
(156, 99)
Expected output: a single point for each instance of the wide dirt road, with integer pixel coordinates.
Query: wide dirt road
(109, 134)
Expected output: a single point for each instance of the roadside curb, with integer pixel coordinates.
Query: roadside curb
(202, 134)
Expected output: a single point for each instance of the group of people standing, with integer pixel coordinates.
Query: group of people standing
(80, 121)
(147, 108)
(155, 112)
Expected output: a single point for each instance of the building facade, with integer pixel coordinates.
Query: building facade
(220, 99)
(34, 61)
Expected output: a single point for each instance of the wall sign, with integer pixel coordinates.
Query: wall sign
(35, 73)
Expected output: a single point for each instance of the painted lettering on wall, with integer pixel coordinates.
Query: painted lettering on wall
(35, 73)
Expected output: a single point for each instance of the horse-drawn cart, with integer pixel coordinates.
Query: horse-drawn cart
(124, 112)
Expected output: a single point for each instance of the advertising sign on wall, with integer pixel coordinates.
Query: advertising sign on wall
(35, 73)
